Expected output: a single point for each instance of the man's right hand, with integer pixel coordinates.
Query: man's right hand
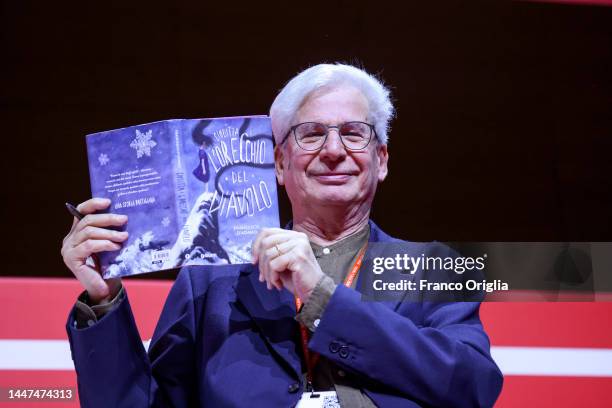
(89, 236)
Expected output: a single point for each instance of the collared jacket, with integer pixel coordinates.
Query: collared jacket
(224, 340)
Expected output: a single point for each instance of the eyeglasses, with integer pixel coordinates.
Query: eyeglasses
(312, 135)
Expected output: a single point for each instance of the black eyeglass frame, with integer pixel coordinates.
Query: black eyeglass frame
(337, 127)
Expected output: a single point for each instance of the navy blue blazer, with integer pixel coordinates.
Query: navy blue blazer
(225, 340)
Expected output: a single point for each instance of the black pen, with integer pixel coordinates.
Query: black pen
(72, 210)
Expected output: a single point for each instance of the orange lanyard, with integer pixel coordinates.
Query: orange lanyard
(311, 361)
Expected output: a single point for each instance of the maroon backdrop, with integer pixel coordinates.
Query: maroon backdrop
(503, 129)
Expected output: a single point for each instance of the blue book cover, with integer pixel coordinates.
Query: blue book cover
(196, 191)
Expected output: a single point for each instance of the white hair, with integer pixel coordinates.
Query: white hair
(292, 96)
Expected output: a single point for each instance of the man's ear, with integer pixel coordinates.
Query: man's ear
(383, 160)
(278, 164)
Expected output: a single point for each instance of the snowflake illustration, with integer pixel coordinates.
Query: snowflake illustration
(143, 143)
(103, 159)
(165, 221)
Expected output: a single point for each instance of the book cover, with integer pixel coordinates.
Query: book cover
(196, 191)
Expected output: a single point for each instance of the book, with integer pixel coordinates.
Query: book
(196, 191)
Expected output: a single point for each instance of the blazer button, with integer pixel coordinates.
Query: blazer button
(344, 353)
(334, 346)
(293, 388)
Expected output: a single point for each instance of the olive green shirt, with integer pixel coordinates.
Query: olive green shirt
(335, 261)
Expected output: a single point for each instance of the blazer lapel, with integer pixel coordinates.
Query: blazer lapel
(273, 312)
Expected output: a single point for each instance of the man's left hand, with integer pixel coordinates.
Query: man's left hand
(286, 260)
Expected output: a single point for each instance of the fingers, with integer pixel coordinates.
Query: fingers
(101, 220)
(257, 242)
(263, 234)
(272, 245)
(278, 266)
(89, 236)
(92, 246)
(279, 249)
(92, 282)
(89, 207)
(89, 277)
(90, 228)
(93, 204)
(272, 237)
(96, 233)
(285, 257)
(270, 268)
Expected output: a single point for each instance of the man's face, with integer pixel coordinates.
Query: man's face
(332, 176)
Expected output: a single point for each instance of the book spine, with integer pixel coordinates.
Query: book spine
(180, 184)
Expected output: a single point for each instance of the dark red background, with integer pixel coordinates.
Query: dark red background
(504, 129)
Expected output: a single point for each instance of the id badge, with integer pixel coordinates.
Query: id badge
(322, 399)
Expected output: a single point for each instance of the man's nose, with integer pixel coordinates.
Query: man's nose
(333, 148)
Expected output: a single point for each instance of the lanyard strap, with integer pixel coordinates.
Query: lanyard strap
(311, 360)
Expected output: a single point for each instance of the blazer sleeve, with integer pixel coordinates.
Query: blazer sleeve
(440, 359)
(113, 368)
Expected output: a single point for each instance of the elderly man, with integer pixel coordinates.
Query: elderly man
(291, 326)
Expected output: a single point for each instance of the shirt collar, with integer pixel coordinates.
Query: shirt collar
(352, 243)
